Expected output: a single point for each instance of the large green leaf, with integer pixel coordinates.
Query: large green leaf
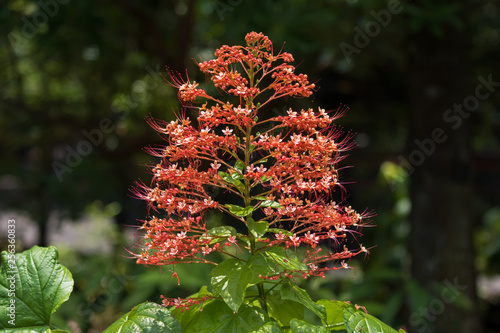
(300, 326)
(357, 321)
(230, 279)
(190, 320)
(146, 318)
(294, 293)
(259, 265)
(288, 261)
(270, 327)
(284, 310)
(217, 317)
(33, 329)
(35, 284)
(334, 313)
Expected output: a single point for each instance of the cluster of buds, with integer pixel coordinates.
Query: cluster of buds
(184, 303)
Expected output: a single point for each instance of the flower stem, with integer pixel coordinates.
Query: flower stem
(248, 132)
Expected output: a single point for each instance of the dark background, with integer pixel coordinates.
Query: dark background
(78, 79)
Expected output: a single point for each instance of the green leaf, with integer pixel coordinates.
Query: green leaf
(357, 321)
(270, 327)
(284, 310)
(334, 313)
(300, 326)
(236, 176)
(217, 317)
(270, 203)
(144, 318)
(294, 293)
(219, 232)
(259, 265)
(222, 231)
(226, 177)
(233, 179)
(259, 197)
(258, 229)
(239, 184)
(240, 211)
(31, 329)
(40, 284)
(230, 279)
(288, 261)
(239, 165)
(264, 178)
(190, 320)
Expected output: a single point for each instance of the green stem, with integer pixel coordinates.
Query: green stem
(248, 132)
(262, 296)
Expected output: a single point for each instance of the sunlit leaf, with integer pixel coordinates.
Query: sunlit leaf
(32, 329)
(270, 327)
(36, 283)
(271, 203)
(146, 318)
(226, 177)
(334, 313)
(219, 232)
(240, 211)
(357, 321)
(239, 165)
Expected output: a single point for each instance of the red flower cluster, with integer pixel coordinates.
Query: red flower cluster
(184, 303)
(282, 169)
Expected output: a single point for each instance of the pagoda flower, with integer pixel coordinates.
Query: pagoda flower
(280, 172)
